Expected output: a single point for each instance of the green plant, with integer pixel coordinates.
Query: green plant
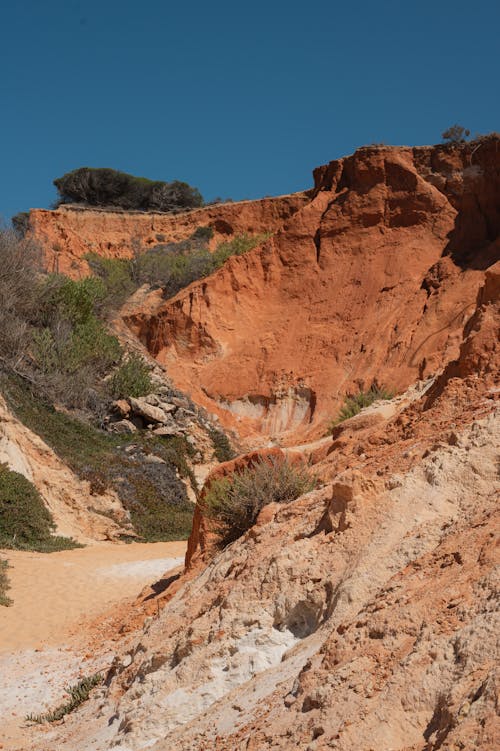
(237, 246)
(233, 503)
(131, 378)
(172, 266)
(354, 404)
(455, 134)
(25, 522)
(73, 301)
(202, 234)
(108, 187)
(222, 448)
(152, 492)
(4, 584)
(116, 275)
(78, 693)
(71, 349)
(20, 263)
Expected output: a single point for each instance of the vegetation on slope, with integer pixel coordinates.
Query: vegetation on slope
(54, 335)
(60, 368)
(223, 451)
(25, 522)
(233, 503)
(170, 266)
(4, 584)
(355, 403)
(144, 470)
(108, 187)
(78, 693)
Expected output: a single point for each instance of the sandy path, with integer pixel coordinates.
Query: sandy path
(53, 593)
(41, 644)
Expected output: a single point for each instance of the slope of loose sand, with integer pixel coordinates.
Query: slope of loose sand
(44, 635)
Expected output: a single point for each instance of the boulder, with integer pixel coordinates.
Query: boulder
(149, 412)
(121, 407)
(122, 426)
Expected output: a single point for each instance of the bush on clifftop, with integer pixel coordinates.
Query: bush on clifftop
(108, 187)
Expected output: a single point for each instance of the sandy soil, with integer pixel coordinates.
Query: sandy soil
(43, 644)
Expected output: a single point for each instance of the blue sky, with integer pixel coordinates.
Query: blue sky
(240, 100)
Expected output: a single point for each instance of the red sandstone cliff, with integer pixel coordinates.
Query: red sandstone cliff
(68, 233)
(373, 279)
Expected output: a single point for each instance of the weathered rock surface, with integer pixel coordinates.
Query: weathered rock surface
(67, 234)
(77, 512)
(372, 280)
(361, 617)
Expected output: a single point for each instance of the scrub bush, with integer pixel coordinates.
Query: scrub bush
(233, 503)
(131, 378)
(109, 187)
(25, 522)
(354, 404)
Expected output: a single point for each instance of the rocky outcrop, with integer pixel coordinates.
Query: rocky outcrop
(359, 617)
(373, 280)
(77, 511)
(67, 234)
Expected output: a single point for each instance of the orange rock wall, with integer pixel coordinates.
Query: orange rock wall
(68, 233)
(373, 279)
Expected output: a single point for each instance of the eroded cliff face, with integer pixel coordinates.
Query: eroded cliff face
(373, 279)
(67, 234)
(360, 617)
(77, 511)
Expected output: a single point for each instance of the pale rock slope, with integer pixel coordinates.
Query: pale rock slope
(361, 617)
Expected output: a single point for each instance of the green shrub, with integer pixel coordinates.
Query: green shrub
(172, 266)
(71, 349)
(354, 404)
(20, 263)
(153, 492)
(25, 523)
(202, 234)
(237, 247)
(108, 187)
(52, 334)
(455, 134)
(72, 301)
(4, 584)
(222, 448)
(78, 693)
(131, 378)
(233, 503)
(117, 277)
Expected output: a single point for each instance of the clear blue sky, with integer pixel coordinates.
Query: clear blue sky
(239, 99)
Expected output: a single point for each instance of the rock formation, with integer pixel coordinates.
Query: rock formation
(364, 615)
(372, 280)
(68, 233)
(360, 617)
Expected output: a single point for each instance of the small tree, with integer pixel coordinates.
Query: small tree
(455, 134)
